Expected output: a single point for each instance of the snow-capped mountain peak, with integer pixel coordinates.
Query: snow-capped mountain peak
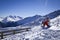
(1, 18)
(12, 18)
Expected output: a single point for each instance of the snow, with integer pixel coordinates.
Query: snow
(54, 28)
(12, 28)
(37, 33)
(55, 23)
(1, 18)
(12, 18)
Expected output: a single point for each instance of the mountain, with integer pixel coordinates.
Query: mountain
(34, 20)
(1, 19)
(11, 18)
(53, 14)
(36, 32)
(9, 21)
(37, 18)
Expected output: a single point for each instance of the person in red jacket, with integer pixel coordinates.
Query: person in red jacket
(46, 22)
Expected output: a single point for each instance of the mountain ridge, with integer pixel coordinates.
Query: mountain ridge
(30, 21)
(11, 18)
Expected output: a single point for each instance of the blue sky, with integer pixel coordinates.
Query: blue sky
(25, 8)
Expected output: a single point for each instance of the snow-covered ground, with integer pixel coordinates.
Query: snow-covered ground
(55, 23)
(37, 33)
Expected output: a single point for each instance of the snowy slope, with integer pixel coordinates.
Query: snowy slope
(37, 33)
(55, 23)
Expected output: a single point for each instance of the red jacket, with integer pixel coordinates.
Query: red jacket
(45, 22)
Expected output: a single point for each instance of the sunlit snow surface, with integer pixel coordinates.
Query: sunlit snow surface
(37, 33)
